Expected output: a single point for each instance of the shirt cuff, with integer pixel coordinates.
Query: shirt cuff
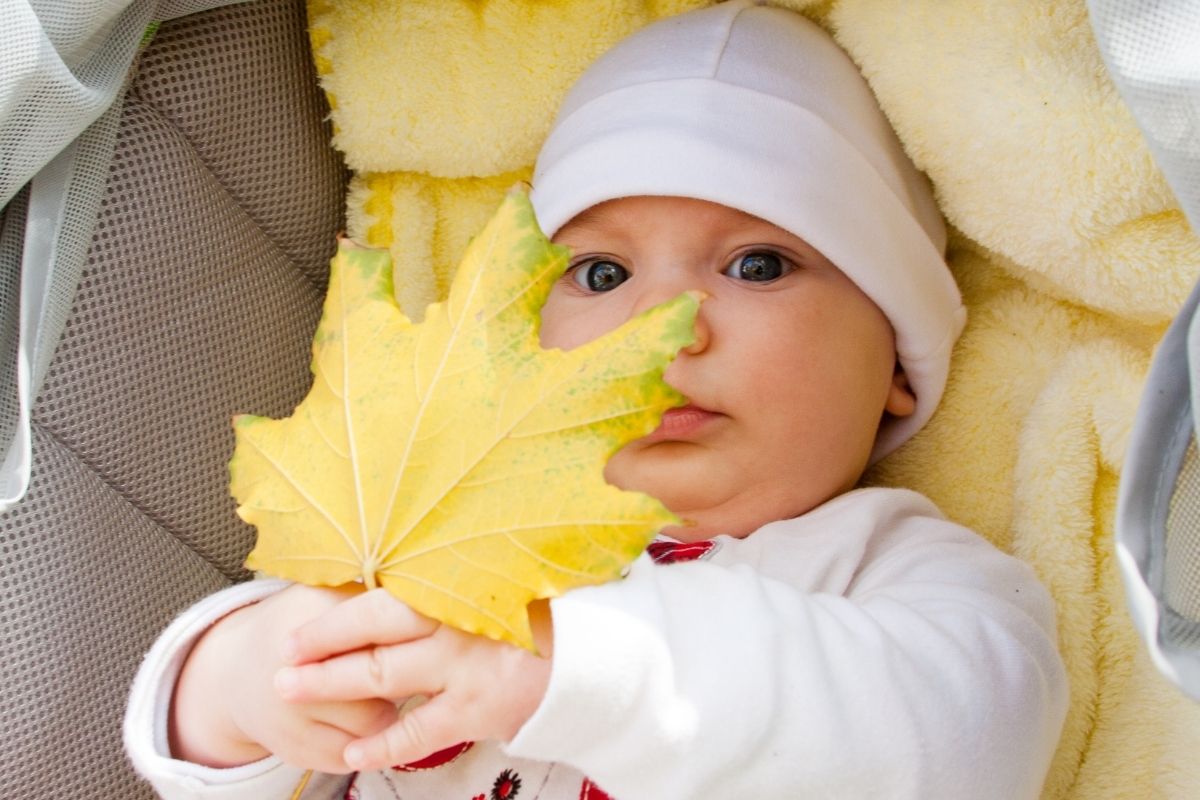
(146, 717)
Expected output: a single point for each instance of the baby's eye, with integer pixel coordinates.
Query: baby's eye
(600, 276)
(759, 266)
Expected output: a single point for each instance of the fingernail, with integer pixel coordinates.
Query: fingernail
(354, 756)
(287, 682)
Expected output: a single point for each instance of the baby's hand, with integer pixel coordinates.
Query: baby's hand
(226, 711)
(477, 688)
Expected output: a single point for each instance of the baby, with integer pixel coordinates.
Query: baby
(800, 637)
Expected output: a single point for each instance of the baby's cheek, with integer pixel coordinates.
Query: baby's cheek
(554, 328)
(568, 322)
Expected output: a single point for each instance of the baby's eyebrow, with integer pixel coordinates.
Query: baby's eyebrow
(598, 216)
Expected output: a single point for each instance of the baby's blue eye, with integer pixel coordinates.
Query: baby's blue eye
(600, 276)
(760, 266)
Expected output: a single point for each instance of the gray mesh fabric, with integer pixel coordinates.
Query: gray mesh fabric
(63, 73)
(1152, 52)
(225, 101)
(65, 63)
(198, 299)
(12, 242)
(1181, 546)
(87, 581)
(63, 200)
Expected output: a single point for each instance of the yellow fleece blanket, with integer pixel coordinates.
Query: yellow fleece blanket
(1069, 247)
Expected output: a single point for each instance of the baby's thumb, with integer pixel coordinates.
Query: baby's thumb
(419, 733)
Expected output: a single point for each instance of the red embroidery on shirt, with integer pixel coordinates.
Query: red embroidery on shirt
(664, 552)
(352, 790)
(590, 791)
(435, 760)
(506, 786)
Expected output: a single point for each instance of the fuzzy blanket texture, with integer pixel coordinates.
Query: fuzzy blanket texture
(1069, 247)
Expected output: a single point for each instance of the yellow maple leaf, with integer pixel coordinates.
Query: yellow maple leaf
(455, 462)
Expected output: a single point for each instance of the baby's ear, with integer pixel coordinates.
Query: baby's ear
(901, 401)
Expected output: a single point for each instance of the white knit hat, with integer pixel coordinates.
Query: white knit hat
(758, 109)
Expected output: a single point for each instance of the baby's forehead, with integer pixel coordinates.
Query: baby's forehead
(601, 215)
(638, 210)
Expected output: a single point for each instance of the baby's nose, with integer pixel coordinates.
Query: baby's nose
(660, 281)
(662, 291)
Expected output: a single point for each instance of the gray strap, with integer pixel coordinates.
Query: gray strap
(1152, 50)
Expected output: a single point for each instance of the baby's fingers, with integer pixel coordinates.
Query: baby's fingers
(314, 746)
(364, 620)
(394, 673)
(426, 729)
(357, 719)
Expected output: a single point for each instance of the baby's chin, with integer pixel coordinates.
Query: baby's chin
(713, 496)
(693, 533)
(737, 515)
(706, 516)
(698, 527)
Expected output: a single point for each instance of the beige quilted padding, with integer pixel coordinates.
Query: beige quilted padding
(202, 288)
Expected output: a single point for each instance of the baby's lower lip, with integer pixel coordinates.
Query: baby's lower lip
(682, 423)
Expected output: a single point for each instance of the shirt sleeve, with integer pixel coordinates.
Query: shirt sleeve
(932, 673)
(145, 726)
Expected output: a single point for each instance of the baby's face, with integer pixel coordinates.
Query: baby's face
(791, 372)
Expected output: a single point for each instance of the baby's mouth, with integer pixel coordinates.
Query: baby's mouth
(685, 422)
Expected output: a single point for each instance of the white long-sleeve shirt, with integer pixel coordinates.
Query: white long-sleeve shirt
(869, 648)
